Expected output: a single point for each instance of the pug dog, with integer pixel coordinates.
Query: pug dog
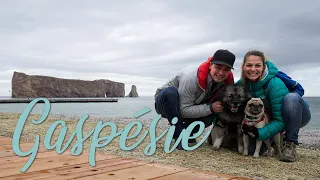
(255, 115)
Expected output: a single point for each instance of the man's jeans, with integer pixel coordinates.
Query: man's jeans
(168, 105)
(295, 114)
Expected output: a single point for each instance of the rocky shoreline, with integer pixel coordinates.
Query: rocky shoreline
(309, 139)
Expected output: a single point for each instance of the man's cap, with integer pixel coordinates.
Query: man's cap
(223, 57)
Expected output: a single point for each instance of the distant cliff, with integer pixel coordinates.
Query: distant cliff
(34, 86)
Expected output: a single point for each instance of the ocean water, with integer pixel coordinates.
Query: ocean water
(127, 107)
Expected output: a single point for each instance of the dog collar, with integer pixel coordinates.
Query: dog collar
(251, 120)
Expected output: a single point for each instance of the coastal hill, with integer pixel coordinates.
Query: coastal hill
(34, 86)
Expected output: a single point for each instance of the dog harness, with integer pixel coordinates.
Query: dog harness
(219, 123)
(252, 121)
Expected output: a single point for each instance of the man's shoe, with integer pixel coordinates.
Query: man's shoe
(288, 152)
(180, 147)
(192, 141)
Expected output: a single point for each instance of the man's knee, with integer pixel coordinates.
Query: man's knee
(169, 96)
(170, 92)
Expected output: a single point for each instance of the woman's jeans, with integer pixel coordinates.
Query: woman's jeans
(295, 114)
(168, 105)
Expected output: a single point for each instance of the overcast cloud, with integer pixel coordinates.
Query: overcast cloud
(147, 42)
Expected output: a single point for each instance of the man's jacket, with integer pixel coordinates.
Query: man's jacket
(194, 90)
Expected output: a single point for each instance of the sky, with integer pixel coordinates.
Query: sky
(146, 42)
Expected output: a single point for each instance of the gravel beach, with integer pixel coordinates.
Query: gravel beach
(203, 158)
(309, 139)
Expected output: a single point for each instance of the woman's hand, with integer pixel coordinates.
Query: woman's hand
(250, 130)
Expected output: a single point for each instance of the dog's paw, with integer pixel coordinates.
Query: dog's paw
(217, 143)
(240, 149)
(256, 155)
(215, 148)
(245, 153)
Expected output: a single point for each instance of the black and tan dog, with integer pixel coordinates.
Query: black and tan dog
(255, 115)
(227, 133)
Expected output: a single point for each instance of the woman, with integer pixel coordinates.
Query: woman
(289, 111)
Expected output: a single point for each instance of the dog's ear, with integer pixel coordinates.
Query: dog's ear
(249, 95)
(263, 102)
(221, 93)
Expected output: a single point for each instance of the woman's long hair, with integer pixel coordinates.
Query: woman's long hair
(245, 58)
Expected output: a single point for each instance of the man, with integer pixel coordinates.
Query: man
(191, 96)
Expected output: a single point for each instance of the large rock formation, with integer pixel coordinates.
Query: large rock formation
(34, 86)
(133, 92)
